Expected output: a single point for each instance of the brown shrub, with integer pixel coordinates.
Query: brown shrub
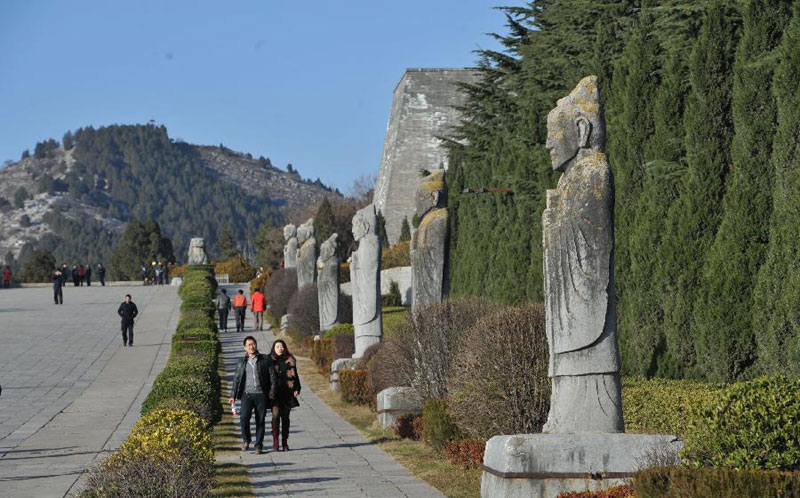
(397, 255)
(466, 453)
(408, 426)
(502, 370)
(381, 373)
(279, 291)
(321, 355)
(353, 387)
(615, 492)
(304, 311)
(342, 346)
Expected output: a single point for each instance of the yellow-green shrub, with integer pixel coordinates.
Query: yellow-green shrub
(439, 427)
(195, 319)
(237, 268)
(394, 318)
(321, 355)
(353, 387)
(681, 482)
(198, 388)
(662, 406)
(340, 329)
(397, 255)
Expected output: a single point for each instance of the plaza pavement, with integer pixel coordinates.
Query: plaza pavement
(70, 390)
(328, 456)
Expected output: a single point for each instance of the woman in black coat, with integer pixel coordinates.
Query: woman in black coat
(286, 392)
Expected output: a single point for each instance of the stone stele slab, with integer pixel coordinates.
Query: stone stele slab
(396, 401)
(545, 465)
(336, 366)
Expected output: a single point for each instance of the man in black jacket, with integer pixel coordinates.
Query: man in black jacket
(254, 383)
(128, 311)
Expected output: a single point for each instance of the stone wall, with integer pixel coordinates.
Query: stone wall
(422, 109)
(401, 275)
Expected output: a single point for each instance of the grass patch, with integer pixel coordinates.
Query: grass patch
(232, 478)
(421, 460)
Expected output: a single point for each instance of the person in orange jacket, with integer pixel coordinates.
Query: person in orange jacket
(240, 308)
(257, 302)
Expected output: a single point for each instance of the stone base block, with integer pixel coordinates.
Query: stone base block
(336, 366)
(544, 465)
(396, 401)
(285, 324)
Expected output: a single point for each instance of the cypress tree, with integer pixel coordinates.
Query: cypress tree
(405, 231)
(723, 319)
(692, 221)
(776, 312)
(324, 222)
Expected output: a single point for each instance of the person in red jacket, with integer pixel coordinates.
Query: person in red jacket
(257, 302)
(7, 277)
(239, 308)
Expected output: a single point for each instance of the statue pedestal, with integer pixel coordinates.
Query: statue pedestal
(336, 366)
(396, 401)
(544, 465)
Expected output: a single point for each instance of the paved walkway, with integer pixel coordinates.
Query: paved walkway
(70, 390)
(329, 457)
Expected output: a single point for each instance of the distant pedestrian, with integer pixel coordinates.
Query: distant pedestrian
(254, 384)
(81, 274)
(128, 311)
(64, 275)
(223, 306)
(166, 273)
(240, 308)
(7, 277)
(156, 274)
(75, 278)
(143, 271)
(58, 283)
(88, 274)
(286, 392)
(257, 302)
(101, 274)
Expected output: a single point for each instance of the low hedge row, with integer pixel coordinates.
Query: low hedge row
(681, 482)
(169, 451)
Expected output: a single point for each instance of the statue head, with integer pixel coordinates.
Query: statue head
(364, 222)
(289, 231)
(197, 242)
(576, 123)
(305, 231)
(432, 192)
(328, 248)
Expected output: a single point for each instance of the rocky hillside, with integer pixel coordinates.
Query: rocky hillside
(75, 199)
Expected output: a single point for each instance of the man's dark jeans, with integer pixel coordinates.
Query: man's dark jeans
(58, 295)
(250, 402)
(223, 318)
(240, 311)
(127, 328)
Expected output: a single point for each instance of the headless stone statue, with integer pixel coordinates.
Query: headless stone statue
(290, 249)
(328, 284)
(197, 251)
(365, 271)
(429, 242)
(578, 235)
(306, 254)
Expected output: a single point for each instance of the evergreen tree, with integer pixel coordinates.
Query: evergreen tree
(38, 267)
(226, 246)
(723, 319)
(68, 140)
(269, 246)
(692, 221)
(141, 243)
(25, 154)
(776, 310)
(20, 196)
(382, 237)
(405, 231)
(324, 222)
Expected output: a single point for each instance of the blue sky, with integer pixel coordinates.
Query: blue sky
(308, 83)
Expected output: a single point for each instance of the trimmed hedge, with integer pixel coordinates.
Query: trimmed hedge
(201, 333)
(193, 387)
(681, 482)
(209, 348)
(353, 387)
(195, 318)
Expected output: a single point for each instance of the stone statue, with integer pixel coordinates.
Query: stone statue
(290, 249)
(306, 254)
(429, 242)
(578, 237)
(365, 274)
(197, 251)
(328, 284)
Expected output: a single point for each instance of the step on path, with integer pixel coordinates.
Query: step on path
(328, 456)
(71, 392)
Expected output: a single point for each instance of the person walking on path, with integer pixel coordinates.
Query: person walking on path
(81, 274)
(64, 275)
(7, 277)
(74, 276)
(253, 384)
(286, 391)
(223, 306)
(257, 302)
(128, 311)
(239, 308)
(101, 274)
(58, 283)
(166, 273)
(88, 274)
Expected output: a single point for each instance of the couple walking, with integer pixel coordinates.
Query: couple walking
(262, 382)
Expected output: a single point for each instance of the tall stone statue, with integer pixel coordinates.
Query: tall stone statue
(197, 251)
(429, 242)
(328, 284)
(290, 249)
(365, 275)
(578, 237)
(306, 254)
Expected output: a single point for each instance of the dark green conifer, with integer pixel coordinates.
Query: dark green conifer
(405, 231)
(324, 222)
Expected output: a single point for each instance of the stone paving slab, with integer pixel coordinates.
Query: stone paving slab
(71, 392)
(328, 456)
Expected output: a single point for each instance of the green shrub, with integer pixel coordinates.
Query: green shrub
(681, 482)
(200, 333)
(662, 406)
(188, 365)
(393, 298)
(340, 329)
(203, 305)
(195, 319)
(209, 348)
(198, 388)
(394, 318)
(342, 346)
(755, 425)
(439, 427)
(321, 355)
(353, 387)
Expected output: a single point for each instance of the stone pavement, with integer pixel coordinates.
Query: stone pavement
(70, 390)
(328, 456)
